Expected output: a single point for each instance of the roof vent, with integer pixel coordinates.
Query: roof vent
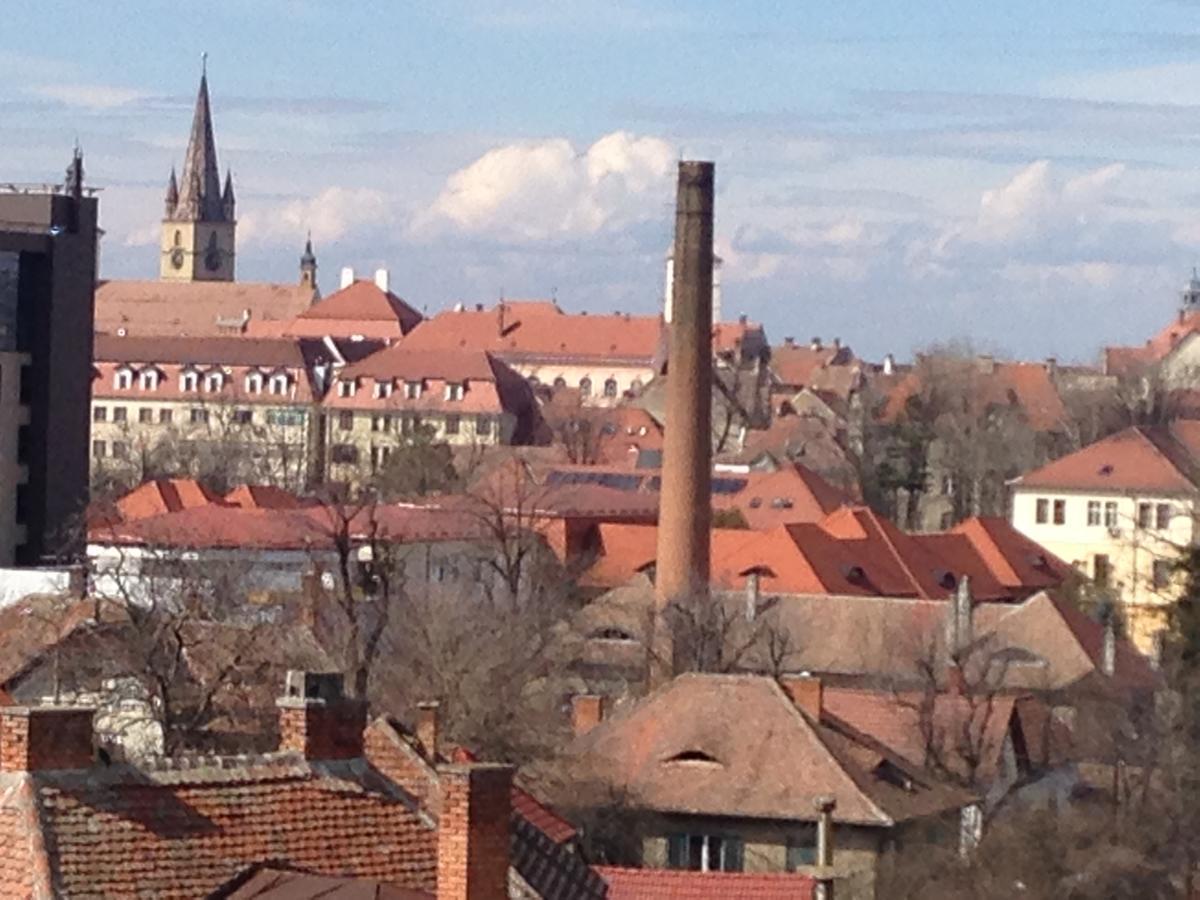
(1106, 469)
(347, 277)
(458, 307)
(854, 574)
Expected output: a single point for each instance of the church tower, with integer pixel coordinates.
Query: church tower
(198, 222)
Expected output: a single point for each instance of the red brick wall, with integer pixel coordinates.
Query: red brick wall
(45, 738)
(399, 762)
(473, 832)
(322, 730)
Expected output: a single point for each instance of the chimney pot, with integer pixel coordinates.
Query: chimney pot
(889, 364)
(806, 692)
(40, 738)
(824, 874)
(743, 319)
(347, 276)
(317, 720)
(473, 831)
(428, 715)
(814, 344)
(383, 280)
(587, 711)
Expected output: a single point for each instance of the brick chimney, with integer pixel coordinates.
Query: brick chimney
(685, 511)
(587, 711)
(317, 719)
(473, 831)
(806, 692)
(428, 716)
(39, 738)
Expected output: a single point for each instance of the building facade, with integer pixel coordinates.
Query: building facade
(48, 240)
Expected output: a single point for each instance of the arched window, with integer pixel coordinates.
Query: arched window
(585, 387)
(610, 387)
(148, 379)
(123, 379)
(189, 380)
(214, 381)
(279, 383)
(560, 383)
(254, 383)
(178, 237)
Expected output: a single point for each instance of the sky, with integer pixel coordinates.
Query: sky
(1024, 176)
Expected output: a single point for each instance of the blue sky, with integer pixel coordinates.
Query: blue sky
(1023, 175)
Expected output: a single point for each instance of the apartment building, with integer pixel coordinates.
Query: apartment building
(1120, 510)
(244, 409)
(463, 398)
(48, 237)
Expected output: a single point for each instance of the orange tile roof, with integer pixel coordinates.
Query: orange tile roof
(200, 308)
(1164, 459)
(361, 308)
(183, 832)
(262, 496)
(796, 366)
(674, 884)
(164, 495)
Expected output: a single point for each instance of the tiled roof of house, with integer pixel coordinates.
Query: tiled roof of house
(675, 884)
(152, 498)
(228, 351)
(1125, 361)
(275, 883)
(1164, 459)
(798, 366)
(363, 302)
(737, 745)
(262, 496)
(184, 832)
(196, 309)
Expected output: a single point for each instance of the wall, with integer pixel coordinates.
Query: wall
(13, 414)
(1131, 550)
(629, 377)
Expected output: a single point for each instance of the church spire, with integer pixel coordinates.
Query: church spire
(227, 201)
(172, 199)
(201, 178)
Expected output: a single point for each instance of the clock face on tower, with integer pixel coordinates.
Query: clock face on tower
(177, 257)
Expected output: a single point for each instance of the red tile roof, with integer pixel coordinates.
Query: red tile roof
(361, 309)
(1163, 459)
(186, 831)
(262, 496)
(164, 495)
(669, 884)
(200, 308)
(274, 883)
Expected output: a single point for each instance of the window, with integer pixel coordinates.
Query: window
(1162, 572)
(198, 416)
(379, 457)
(483, 425)
(560, 383)
(381, 423)
(345, 420)
(610, 387)
(412, 389)
(254, 383)
(347, 387)
(1162, 516)
(165, 417)
(148, 380)
(383, 390)
(99, 413)
(120, 450)
(947, 485)
(188, 381)
(1042, 516)
(1060, 512)
(452, 424)
(285, 417)
(343, 453)
(280, 383)
(454, 390)
(1101, 569)
(120, 414)
(1093, 508)
(146, 416)
(214, 381)
(242, 417)
(123, 380)
(704, 852)
(1110, 514)
(802, 849)
(1144, 514)
(99, 449)
(585, 387)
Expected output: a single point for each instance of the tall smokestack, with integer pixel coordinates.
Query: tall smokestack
(685, 511)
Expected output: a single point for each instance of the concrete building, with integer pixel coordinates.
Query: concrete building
(48, 239)
(1120, 510)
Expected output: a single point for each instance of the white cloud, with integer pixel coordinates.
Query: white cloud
(330, 215)
(97, 97)
(546, 189)
(1173, 83)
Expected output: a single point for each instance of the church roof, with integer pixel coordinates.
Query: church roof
(200, 187)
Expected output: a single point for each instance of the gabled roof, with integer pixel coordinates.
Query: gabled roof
(194, 308)
(1164, 459)
(184, 831)
(680, 884)
(737, 745)
(164, 495)
(361, 308)
(262, 496)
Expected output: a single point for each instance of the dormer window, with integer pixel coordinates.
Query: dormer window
(383, 389)
(254, 383)
(347, 387)
(279, 383)
(148, 379)
(214, 381)
(454, 390)
(123, 380)
(189, 380)
(694, 756)
(412, 389)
